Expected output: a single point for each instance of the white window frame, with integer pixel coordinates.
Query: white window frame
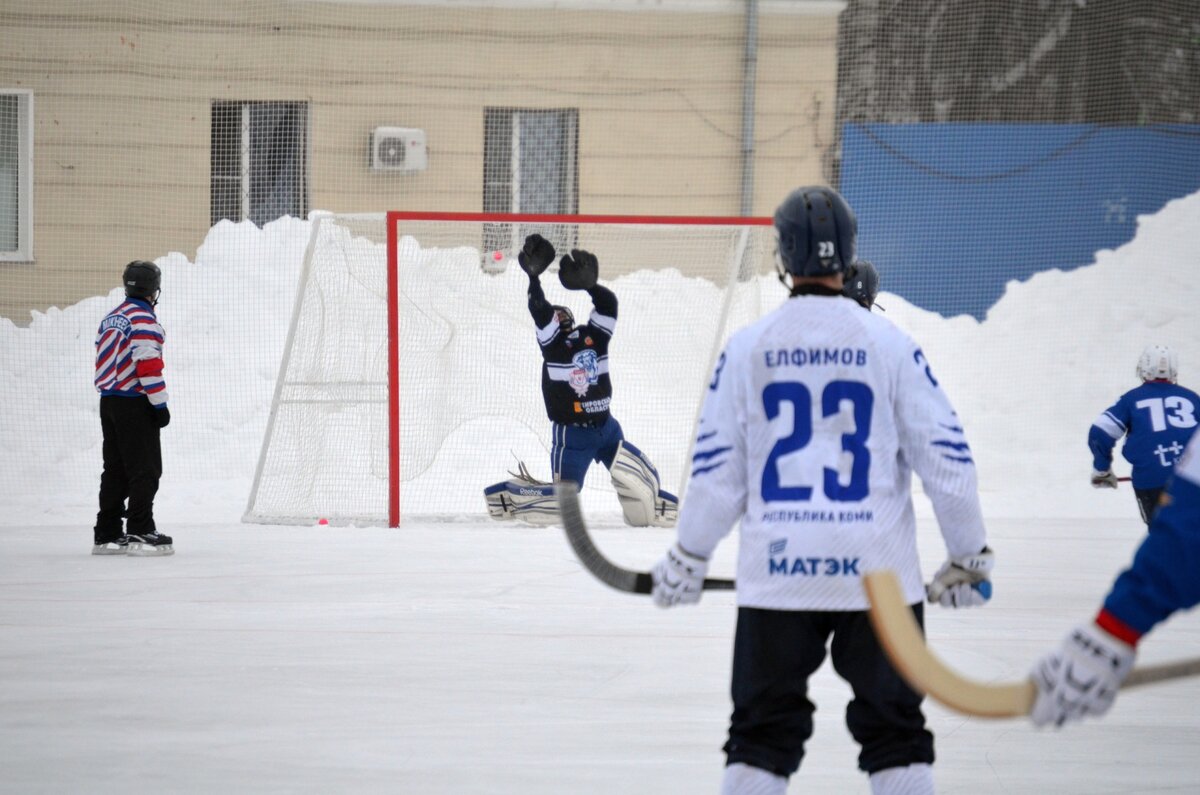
(247, 156)
(24, 250)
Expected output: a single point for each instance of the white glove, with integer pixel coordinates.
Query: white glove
(1103, 480)
(678, 578)
(964, 581)
(1081, 677)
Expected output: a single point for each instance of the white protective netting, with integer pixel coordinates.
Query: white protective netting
(988, 148)
(468, 365)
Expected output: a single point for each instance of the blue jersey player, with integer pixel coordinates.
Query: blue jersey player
(1156, 419)
(1082, 676)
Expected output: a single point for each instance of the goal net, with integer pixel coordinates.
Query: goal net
(411, 376)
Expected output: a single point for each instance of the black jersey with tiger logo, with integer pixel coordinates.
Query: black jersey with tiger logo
(575, 382)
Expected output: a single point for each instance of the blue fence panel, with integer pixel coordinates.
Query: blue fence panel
(951, 212)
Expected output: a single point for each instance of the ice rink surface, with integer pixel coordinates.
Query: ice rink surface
(476, 657)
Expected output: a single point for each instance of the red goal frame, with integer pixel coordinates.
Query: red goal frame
(394, 217)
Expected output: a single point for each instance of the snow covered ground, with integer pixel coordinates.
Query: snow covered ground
(466, 656)
(476, 658)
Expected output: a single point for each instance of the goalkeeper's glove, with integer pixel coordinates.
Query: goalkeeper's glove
(578, 270)
(536, 255)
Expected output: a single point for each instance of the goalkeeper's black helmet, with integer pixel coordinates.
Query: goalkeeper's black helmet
(566, 320)
(142, 280)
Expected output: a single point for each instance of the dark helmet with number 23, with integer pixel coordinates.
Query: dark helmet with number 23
(816, 233)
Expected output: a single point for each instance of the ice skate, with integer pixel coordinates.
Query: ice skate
(113, 546)
(150, 544)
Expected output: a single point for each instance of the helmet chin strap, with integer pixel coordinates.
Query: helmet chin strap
(781, 271)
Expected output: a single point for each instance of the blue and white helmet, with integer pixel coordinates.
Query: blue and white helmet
(816, 232)
(1158, 363)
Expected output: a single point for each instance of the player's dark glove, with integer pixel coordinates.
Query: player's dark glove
(578, 270)
(536, 255)
(163, 416)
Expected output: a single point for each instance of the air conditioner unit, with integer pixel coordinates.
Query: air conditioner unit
(398, 149)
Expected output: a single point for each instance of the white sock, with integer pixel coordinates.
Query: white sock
(741, 779)
(911, 780)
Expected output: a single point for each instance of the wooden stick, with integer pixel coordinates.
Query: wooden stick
(901, 638)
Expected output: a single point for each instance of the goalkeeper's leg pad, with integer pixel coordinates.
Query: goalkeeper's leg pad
(533, 503)
(636, 481)
(499, 505)
(666, 509)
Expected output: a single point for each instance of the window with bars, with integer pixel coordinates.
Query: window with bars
(530, 166)
(259, 160)
(16, 175)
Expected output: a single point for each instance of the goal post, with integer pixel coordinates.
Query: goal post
(411, 375)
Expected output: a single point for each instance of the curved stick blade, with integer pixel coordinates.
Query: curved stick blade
(901, 638)
(594, 560)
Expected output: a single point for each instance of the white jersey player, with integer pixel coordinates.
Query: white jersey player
(815, 419)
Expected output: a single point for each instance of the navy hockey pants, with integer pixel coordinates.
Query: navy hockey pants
(1147, 500)
(573, 448)
(774, 654)
(132, 466)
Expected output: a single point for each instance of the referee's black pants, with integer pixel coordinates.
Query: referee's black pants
(132, 466)
(774, 654)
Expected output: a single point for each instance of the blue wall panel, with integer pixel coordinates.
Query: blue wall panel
(951, 212)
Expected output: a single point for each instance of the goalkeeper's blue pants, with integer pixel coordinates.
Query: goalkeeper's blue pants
(573, 448)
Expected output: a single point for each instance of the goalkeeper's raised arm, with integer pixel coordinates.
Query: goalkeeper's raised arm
(534, 258)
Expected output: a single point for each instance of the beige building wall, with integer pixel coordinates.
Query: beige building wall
(123, 94)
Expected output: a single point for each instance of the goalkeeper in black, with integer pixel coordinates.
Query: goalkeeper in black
(577, 391)
(575, 382)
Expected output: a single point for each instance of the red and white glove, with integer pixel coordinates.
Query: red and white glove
(1081, 677)
(1103, 480)
(678, 578)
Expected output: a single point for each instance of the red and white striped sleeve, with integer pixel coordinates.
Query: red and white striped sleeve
(146, 344)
